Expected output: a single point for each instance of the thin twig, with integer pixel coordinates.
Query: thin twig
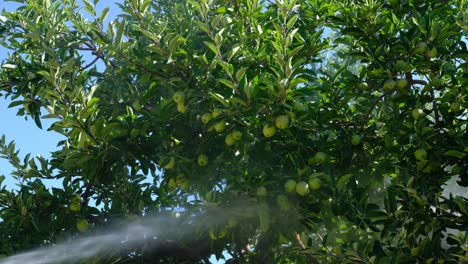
(373, 105)
(311, 258)
(86, 194)
(90, 64)
(434, 106)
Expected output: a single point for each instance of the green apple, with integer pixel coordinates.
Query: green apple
(389, 84)
(206, 117)
(320, 157)
(402, 66)
(216, 113)
(180, 178)
(74, 207)
(229, 139)
(170, 164)
(290, 186)
(401, 84)
(283, 202)
(417, 113)
(181, 108)
(421, 47)
(420, 154)
(314, 183)
(172, 184)
(220, 126)
(282, 121)
(269, 130)
(179, 97)
(213, 235)
(202, 160)
(261, 191)
(455, 107)
(232, 222)
(431, 53)
(82, 225)
(236, 135)
(355, 140)
(184, 185)
(362, 86)
(302, 188)
(299, 106)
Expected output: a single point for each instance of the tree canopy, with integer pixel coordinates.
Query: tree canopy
(322, 131)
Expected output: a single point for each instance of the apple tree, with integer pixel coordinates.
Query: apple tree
(301, 131)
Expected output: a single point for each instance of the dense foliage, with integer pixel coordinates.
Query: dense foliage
(339, 122)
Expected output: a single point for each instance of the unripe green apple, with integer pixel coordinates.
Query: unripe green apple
(181, 108)
(213, 235)
(261, 191)
(202, 160)
(363, 86)
(421, 47)
(455, 107)
(355, 140)
(314, 183)
(179, 97)
(206, 117)
(420, 154)
(216, 113)
(170, 164)
(282, 121)
(232, 222)
(449, 68)
(74, 207)
(172, 184)
(290, 186)
(184, 185)
(431, 53)
(299, 106)
(402, 66)
(389, 84)
(401, 84)
(229, 139)
(283, 202)
(417, 113)
(180, 178)
(82, 225)
(76, 199)
(269, 130)
(236, 135)
(220, 126)
(302, 188)
(320, 157)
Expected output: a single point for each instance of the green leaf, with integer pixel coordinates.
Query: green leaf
(9, 66)
(228, 83)
(104, 13)
(240, 73)
(204, 27)
(455, 154)
(211, 46)
(220, 98)
(343, 181)
(119, 34)
(89, 7)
